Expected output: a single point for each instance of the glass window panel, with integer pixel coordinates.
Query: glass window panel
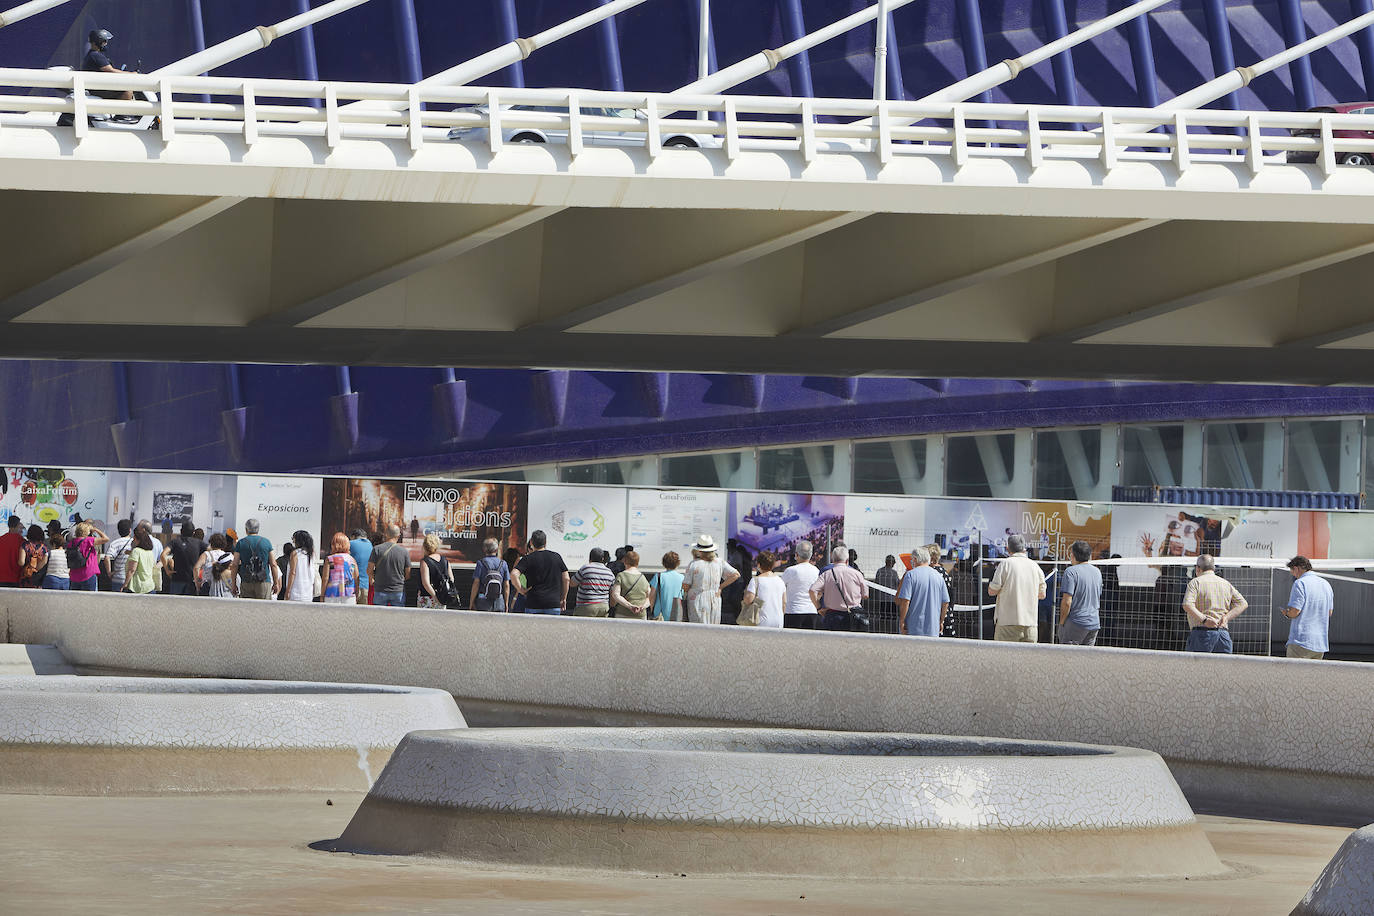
(1152, 456)
(1324, 455)
(734, 470)
(1246, 456)
(642, 471)
(805, 468)
(980, 465)
(904, 466)
(541, 474)
(1067, 463)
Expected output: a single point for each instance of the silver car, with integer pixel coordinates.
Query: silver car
(600, 136)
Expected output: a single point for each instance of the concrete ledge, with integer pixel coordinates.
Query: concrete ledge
(20, 661)
(1346, 885)
(775, 801)
(1276, 729)
(65, 735)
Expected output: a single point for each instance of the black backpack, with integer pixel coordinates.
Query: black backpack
(440, 581)
(252, 569)
(75, 558)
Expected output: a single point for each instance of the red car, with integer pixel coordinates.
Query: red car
(1360, 108)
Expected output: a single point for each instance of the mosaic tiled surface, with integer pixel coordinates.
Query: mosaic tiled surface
(230, 714)
(1346, 886)
(1295, 721)
(782, 778)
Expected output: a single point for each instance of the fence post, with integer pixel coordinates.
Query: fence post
(978, 571)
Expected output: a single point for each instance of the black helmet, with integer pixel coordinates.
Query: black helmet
(100, 37)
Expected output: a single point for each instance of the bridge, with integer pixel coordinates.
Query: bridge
(350, 223)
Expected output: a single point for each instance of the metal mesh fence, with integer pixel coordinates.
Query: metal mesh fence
(1142, 605)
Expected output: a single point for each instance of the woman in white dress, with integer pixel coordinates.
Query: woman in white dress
(301, 574)
(706, 575)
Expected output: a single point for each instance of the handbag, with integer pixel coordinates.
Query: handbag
(859, 621)
(749, 610)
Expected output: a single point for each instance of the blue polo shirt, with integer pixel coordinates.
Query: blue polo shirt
(1312, 595)
(925, 589)
(360, 549)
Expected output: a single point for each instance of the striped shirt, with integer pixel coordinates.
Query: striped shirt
(1211, 596)
(594, 584)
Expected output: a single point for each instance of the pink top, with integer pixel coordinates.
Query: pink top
(91, 568)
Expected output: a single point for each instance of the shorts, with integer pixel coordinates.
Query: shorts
(1072, 634)
(1016, 634)
(1297, 651)
(262, 590)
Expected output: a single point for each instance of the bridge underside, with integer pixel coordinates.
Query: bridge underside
(1050, 294)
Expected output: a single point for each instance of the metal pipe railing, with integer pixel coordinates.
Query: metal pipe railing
(25, 10)
(254, 39)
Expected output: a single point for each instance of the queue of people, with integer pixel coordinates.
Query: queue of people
(374, 569)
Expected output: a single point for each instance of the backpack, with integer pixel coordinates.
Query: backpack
(252, 569)
(489, 586)
(35, 563)
(76, 559)
(441, 583)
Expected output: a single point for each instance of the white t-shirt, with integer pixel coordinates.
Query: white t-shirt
(774, 594)
(798, 579)
(118, 551)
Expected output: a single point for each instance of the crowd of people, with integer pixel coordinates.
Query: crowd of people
(766, 590)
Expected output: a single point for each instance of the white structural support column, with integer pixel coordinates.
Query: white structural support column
(1000, 73)
(880, 53)
(1242, 76)
(25, 10)
(704, 45)
(509, 53)
(253, 40)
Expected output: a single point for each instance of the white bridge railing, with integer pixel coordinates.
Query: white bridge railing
(253, 109)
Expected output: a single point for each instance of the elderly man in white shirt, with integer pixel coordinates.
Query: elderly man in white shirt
(1018, 587)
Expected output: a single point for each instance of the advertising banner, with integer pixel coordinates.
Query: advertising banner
(282, 506)
(367, 503)
(876, 526)
(664, 520)
(957, 525)
(1165, 531)
(777, 521)
(464, 514)
(576, 519)
(41, 495)
(1050, 527)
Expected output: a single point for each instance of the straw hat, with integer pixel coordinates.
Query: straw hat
(704, 543)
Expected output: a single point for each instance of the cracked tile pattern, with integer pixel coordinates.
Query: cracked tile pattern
(1346, 886)
(113, 712)
(786, 779)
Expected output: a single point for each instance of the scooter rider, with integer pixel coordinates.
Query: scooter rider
(96, 61)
